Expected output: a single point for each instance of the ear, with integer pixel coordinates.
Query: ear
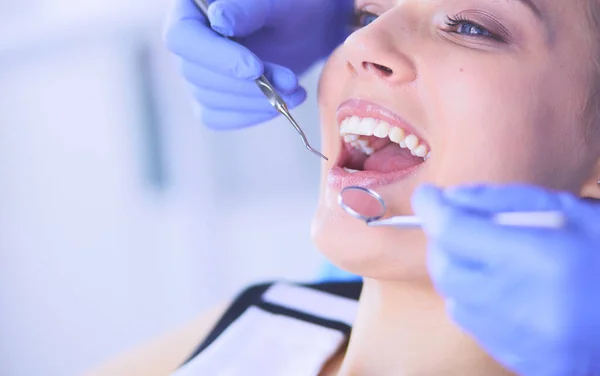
(591, 188)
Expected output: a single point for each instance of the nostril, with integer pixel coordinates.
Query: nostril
(351, 68)
(382, 69)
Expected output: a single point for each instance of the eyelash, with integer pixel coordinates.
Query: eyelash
(452, 22)
(455, 22)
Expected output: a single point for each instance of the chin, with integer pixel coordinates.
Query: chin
(375, 148)
(376, 253)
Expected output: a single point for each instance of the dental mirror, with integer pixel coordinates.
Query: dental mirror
(362, 203)
(368, 206)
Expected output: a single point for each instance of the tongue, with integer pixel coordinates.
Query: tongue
(391, 158)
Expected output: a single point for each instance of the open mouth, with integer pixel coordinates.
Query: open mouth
(378, 147)
(370, 144)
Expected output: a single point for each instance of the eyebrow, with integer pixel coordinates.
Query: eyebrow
(531, 5)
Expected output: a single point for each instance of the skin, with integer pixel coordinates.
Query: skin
(455, 89)
(518, 111)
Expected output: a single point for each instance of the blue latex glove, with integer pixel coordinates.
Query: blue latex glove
(530, 297)
(288, 35)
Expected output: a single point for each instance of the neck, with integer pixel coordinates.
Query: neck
(402, 329)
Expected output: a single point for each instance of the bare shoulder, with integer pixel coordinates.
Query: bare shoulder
(164, 355)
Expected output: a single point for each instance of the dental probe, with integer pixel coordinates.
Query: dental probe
(269, 91)
(366, 198)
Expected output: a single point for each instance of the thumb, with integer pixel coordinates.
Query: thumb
(240, 18)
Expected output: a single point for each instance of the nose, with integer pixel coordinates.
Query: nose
(374, 52)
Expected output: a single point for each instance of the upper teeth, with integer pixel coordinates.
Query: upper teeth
(354, 127)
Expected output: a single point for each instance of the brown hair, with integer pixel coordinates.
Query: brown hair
(591, 9)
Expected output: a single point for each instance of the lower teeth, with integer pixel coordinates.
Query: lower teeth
(350, 170)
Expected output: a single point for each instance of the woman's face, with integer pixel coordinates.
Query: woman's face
(494, 91)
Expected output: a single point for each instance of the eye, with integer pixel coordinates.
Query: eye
(363, 19)
(469, 28)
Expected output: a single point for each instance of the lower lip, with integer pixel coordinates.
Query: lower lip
(339, 178)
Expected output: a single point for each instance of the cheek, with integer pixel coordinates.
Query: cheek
(493, 124)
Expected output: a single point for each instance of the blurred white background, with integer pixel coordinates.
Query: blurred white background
(122, 217)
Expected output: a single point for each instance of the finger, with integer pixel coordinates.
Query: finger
(189, 38)
(427, 201)
(489, 329)
(225, 101)
(232, 120)
(475, 238)
(469, 283)
(507, 341)
(284, 80)
(182, 10)
(241, 17)
(505, 198)
(510, 198)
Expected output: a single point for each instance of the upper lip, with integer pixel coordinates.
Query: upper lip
(364, 108)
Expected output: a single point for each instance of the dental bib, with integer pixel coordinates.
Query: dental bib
(290, 330)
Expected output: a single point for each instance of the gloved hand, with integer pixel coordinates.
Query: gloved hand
(288, 35)
(530, 297)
